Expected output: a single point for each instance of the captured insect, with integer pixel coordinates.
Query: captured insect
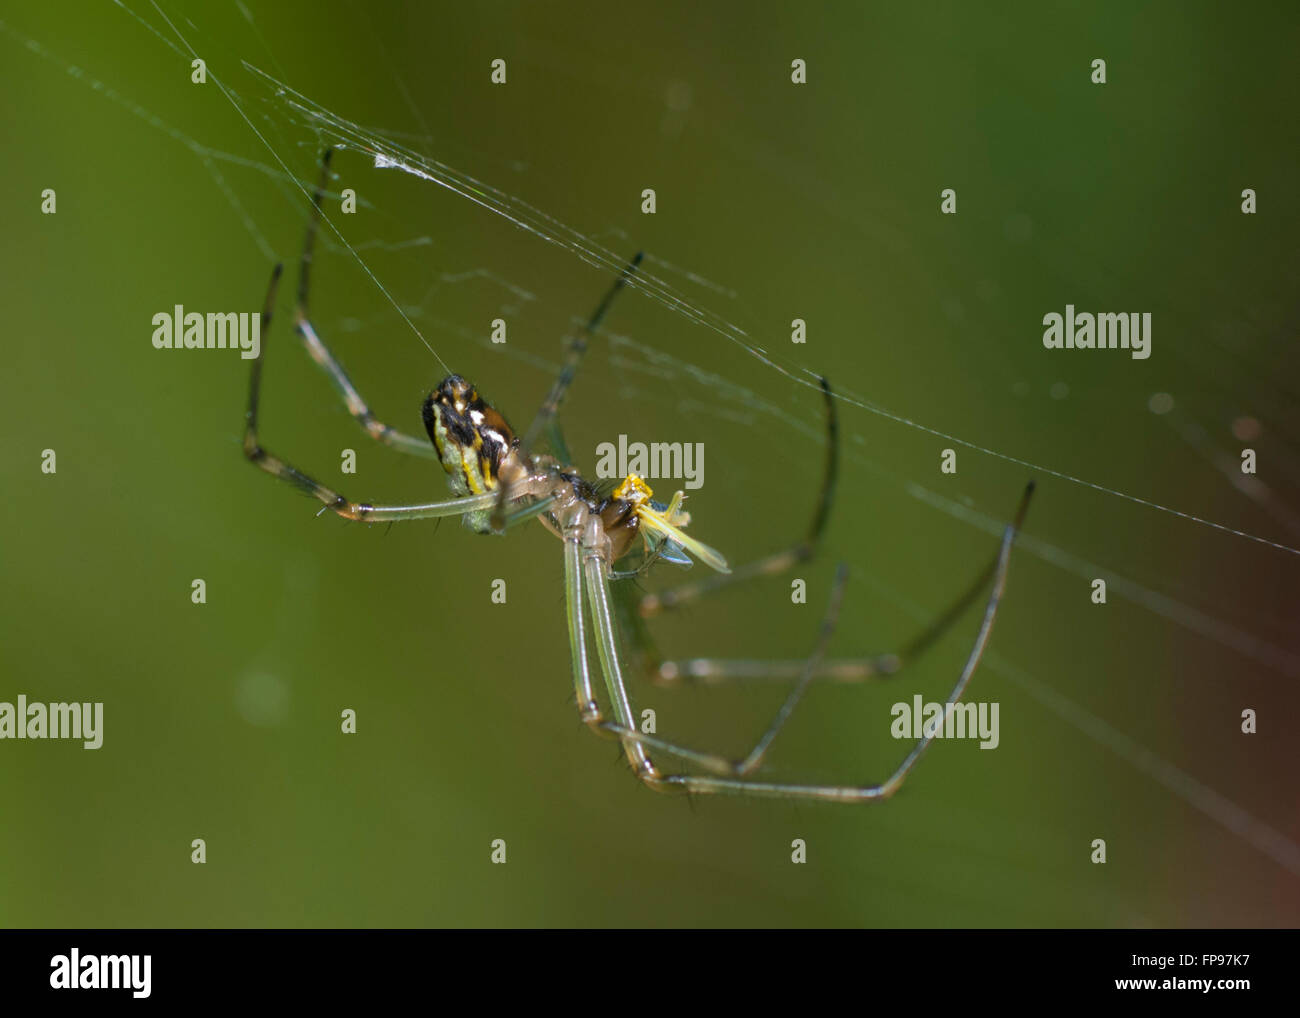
(499, 482)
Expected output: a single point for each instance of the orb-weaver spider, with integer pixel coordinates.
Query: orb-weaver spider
(499, 482)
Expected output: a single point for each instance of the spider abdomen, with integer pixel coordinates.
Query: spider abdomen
(475, 443)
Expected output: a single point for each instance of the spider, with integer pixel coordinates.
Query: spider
(498, 482)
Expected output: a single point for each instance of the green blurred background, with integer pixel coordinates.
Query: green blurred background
(775, 201)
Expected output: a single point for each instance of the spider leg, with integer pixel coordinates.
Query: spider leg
(575, 349)
(740, 785)
(595, 568)
(559, 447)
(332, 499)
(777, 562)
(320, 353)
(711, 671)
(754, 758)
(588, 706)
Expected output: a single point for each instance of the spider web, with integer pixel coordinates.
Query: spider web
(737, 370)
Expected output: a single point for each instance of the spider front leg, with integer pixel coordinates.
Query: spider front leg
(320, 353)
(337, 503)
(584, 692)
(596, 566)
